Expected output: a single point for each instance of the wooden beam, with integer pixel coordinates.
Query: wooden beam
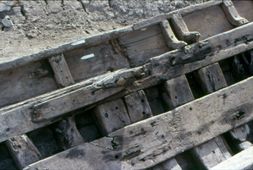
(182, 31)
(214, 151)
(101, 87)
(151, 141)
(211, 78)
(171, 40)
(66, 130)
(61, 71)
(232, 14)
(112, 116)
(242, 160)
(23, 151)
(67, 133)
(137, 106)
(179, 93)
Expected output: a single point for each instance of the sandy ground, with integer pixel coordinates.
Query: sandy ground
(43, 24)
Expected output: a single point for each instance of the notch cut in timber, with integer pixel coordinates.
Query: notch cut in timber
(182, 31)
(183, 128)
(232, 14)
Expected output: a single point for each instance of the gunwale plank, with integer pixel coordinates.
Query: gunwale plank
(140, 145)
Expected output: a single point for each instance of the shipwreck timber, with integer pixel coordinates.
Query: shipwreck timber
(171, 92)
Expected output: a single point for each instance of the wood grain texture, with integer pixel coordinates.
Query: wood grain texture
(61, 71)
(232, 14)
(137, 106)
(242, 160)
(141, 45)
(146, 143)
(211, 78)
(216, 150)
(112, 116)
(179, 91)
(23, 151)
(72, 97)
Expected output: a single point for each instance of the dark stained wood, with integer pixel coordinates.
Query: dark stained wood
(112, 116)
(156, 139)
(84, 94)
(137, 106)
(67, 133)
(25, 82)
(23, 151)
(179, 91)
(212, 78)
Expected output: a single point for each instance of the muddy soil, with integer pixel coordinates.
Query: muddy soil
(28, 26)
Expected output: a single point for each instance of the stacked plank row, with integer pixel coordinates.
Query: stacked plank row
(127, 98)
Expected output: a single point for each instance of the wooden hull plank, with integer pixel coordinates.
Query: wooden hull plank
(214, 151)
(146, 143)
(19, 115)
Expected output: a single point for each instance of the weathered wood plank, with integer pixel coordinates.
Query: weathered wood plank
(170, 64)
(208, 22)
(240, 134)
(232, 14)
(72, 97)
(179, 91)
(146, 143)
(23, 151)
(67, 133)
(141, 45)
(112, 116)
(137, 106)
(61, 71)
(66, 130)
(171, 40)
(85, 63)
(242, 160)
(212, 78)
(214, 151)
(182, 31)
